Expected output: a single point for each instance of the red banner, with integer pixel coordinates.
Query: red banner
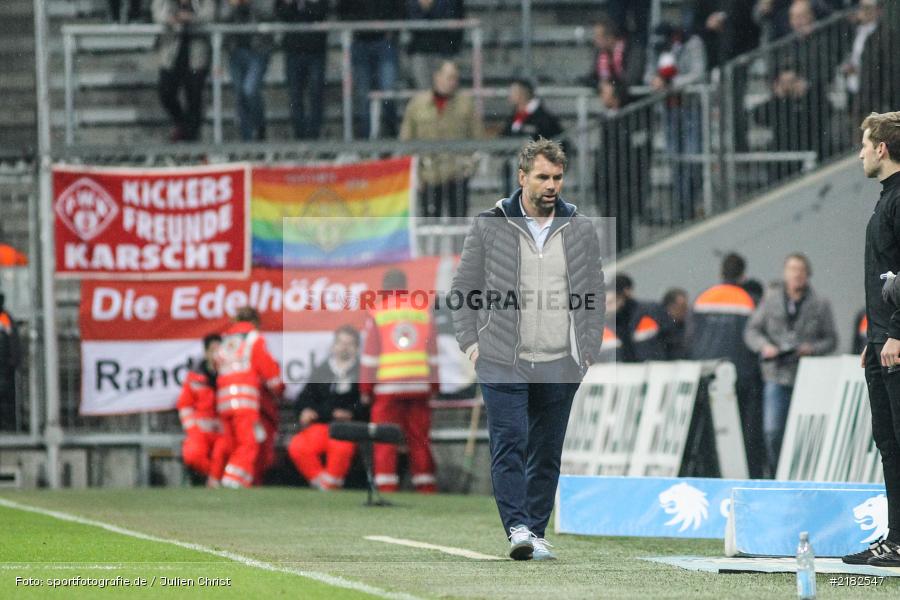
(137, 337)
(174, 223)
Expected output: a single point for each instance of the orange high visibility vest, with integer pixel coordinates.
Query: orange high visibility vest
(404, 333)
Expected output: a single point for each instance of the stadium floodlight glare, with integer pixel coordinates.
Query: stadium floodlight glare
(365, 434)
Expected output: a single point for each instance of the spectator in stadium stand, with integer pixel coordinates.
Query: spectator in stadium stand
(773, 16)
(880, 155)
(860, 335)
(618, 64)
(530, 117)
(867, 17)
(304, 65)
(792, 321)
(428, 49)
(10, 358)
(720, 316)
(132, 13)
(440, 114)
(247, 385)
(799, 112)
(637, 324)
(674, 326)
(332, 394)
(681, 60)
(248, 61)
(204, 449)
(879, 69)
(728, 30)
(530, 357)
(183, 62)
(398, 378)
(634, 17)
(375, 61)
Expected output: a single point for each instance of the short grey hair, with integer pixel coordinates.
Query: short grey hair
(549, 149)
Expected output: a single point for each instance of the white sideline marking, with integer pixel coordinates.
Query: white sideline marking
(244, 560)
(445, 549)
(53, 566)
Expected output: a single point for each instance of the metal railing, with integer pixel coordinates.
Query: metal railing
(782, 99)
(218, 32)
(674, 158)
(148, 432)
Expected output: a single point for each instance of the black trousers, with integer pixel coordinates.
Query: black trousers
(884, 400)
(449, 198)
(7, 403)
(188, 115)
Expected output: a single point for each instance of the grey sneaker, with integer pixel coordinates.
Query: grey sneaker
(521, 544)
(542, 549)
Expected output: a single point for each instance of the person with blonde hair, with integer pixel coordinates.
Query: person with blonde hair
(880, 155)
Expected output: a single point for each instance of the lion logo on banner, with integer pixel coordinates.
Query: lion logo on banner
(688, 505)
(86, 208)
(871, 515)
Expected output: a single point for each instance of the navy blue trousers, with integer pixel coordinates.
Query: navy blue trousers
(527, 413)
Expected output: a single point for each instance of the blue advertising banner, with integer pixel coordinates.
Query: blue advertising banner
(768, 522)
(660, 506)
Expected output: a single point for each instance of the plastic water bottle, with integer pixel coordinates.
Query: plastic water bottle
(806, 569)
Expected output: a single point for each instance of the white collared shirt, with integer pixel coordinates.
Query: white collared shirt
(538, 232)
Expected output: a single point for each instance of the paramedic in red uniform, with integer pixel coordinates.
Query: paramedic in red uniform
(246, 373)
(399, 374)
(197, 411)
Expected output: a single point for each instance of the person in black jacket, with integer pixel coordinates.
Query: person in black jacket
(9, 361)
(528, 305)
(674, 327)
(429, 48)
(637, 324)
(529, 117)
(880, 358)
(332, 394)
(304, 65)
(720, 316)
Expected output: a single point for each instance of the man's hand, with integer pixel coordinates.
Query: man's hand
(474, 357)
(862, 357)
(805, 350)
(365, 399)
(769, 352)
(341, 414)
(890, 353)
(307, 416)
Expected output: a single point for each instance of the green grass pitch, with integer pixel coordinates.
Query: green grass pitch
(296, 531)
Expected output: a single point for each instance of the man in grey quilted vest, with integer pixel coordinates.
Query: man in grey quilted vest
(528, 307)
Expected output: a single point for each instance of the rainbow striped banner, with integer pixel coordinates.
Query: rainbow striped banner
(333, 216)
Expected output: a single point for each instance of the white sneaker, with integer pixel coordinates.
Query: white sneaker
(521, 543)
(542, 549)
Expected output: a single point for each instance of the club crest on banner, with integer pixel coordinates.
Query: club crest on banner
(871, 515)
(86, 208)
(688, 505)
